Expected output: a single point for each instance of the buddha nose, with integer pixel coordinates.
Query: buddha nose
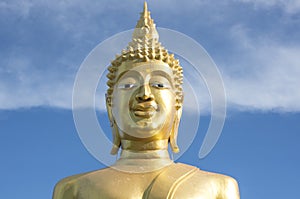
(144, 93)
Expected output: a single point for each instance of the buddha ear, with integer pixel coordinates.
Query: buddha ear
(174, 132)
(114, 128)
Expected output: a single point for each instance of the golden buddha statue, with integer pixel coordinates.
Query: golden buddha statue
(144, 105)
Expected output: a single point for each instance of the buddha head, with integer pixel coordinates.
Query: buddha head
(144, 98)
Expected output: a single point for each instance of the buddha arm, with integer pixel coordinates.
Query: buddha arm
(229, 189)
(64, 191)
(66, 188)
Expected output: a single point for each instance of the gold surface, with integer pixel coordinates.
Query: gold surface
(144, 105)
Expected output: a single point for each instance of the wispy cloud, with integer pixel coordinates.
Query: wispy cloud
(265, 75)
(291, 6)
(44, 43)
(22, 86)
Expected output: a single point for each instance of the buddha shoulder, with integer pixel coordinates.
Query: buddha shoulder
(105, 183)
(76, 185)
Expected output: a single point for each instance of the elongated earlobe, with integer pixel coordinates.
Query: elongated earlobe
(114, 128)
(116, 139)
(174, 132)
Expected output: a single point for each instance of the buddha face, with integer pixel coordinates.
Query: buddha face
(143, 102)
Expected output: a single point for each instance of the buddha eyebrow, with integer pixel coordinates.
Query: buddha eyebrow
(164, 74)
(128, 73)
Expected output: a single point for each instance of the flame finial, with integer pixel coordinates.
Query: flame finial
(145, 11)
(145, 28)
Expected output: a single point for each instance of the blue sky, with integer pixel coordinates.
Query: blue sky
(255, 44)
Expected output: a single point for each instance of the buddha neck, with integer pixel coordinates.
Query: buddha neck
(140, 146)
(139, 156)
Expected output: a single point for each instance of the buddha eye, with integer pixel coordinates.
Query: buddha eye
(160, 85)
(126, 86)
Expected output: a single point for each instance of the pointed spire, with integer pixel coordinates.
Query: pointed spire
(145, 18)
(145, 11)
(145, 28)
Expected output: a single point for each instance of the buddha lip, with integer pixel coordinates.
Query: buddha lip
(144, 114)
(144, 110)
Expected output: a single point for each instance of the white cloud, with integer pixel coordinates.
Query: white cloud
(289, 6)
(262, 74)
(272, 79)
(20, 7)
(23, 86)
